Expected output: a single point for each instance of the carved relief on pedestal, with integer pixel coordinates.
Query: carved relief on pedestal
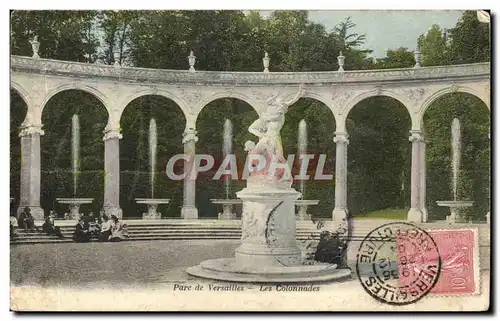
(250, 220)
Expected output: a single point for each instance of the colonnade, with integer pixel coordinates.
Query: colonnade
(31, 172)
(37, 80)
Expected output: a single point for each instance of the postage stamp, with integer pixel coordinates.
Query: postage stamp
(459, 251)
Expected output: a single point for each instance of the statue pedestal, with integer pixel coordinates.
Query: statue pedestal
(268, 228)
(268, 250)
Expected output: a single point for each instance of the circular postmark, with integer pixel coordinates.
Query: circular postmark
(398, 263)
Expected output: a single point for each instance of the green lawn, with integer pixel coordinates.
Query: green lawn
(388, 213)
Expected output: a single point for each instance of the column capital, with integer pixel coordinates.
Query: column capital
(112, 133)
(30, 130)
(416, 136)
(341, 137)
(189, 135)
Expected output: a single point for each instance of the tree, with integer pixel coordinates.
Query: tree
(399, 58)
(434, 48)
(64, 35)
(116, 26)
(470, 40)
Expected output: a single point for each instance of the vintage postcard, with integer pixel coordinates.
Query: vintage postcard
(236, 160)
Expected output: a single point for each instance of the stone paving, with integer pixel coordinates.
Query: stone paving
(130, 263)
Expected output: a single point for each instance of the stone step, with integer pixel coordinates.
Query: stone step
(199, 229)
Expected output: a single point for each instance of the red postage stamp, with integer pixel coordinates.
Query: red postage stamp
(459, 268)
(459, 261)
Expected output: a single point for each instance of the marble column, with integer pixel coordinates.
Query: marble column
(423, 177)
(415, 213)
(112, 173)
(30, 171)
(189, 210)
(340, 212)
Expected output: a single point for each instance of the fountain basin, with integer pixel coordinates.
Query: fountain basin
(228, 269)
(303, 204)
(227, 207)
(454, 206)
(152, 204)
(74, 205)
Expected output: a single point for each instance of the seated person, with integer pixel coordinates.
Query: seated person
(50, 228)
(105, 229)
(26, 220)
(330, 249)
(13, 223)
(82, 233)
(92, 224)
(118, 230)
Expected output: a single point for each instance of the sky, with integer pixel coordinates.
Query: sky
(388, 29)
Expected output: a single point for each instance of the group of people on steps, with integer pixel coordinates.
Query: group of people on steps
(103, 228)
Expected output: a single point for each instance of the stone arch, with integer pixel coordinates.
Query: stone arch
(152, 91)
(450, 90)
(76, 86)
(457, 101)
(378, 144)
(22, 92)
(319, 98)
(228, 94)
(327, 102)
(375, 93)
(91, 106)
(25, 97)
(348, 107)
(134, 116)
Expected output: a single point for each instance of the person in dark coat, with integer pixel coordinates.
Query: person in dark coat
(82, 233)
(26, 220)
(330, 248)
(49, 227)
